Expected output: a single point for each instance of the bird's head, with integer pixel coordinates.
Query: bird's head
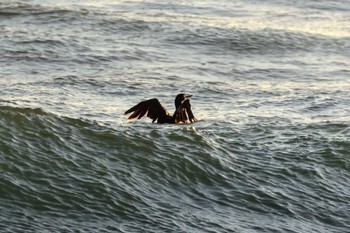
(180, 98)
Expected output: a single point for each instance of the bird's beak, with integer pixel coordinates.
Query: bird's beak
(188, 96)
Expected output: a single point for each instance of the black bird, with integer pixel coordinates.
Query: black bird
(157, 112)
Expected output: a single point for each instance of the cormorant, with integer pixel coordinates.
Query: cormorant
(157, 112)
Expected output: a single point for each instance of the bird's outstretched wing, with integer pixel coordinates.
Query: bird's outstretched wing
(184, 113)
(152, 107)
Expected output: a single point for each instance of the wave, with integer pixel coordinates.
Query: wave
(62, 138)
(146, 173)
(48, 133)
(60, 47)
(218, 39)
(53, 164)
(254, 41)
(26, 9)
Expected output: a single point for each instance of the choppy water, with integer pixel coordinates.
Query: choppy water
(271, 86)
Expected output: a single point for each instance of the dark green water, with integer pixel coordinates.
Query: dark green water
(65, 174)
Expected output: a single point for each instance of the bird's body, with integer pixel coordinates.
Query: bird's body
(155, 110)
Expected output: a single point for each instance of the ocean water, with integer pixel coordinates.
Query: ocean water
(271, 87)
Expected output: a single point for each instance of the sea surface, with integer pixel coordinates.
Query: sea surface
(271, 88)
